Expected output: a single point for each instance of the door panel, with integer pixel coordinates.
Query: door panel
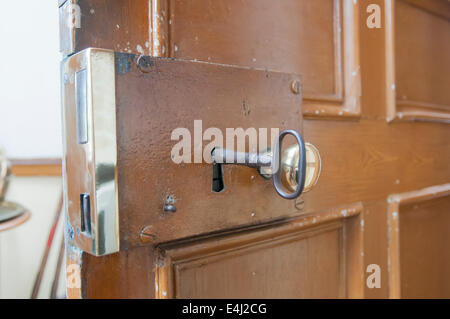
(197, 32)
(301, 265)
(420, 41)
(318, 256)
(417, 56)
(119, 25)
(356, 81)
(424, 256)
(286, 37)
(418, 237)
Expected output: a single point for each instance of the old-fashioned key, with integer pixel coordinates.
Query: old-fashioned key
(271, 164)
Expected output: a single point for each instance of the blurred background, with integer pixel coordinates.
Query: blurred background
(30, 135)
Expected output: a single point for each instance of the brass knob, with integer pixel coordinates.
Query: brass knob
(269, 162)
(289, 167)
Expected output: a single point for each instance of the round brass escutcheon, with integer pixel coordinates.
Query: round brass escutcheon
(289, 167)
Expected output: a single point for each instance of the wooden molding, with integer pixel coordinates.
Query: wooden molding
(391, 111)
(345, 102)
(436, 7)
(411, 110)
(36, 167)
(399, 109)
(160, 15)
(191, 253)
(395, 202)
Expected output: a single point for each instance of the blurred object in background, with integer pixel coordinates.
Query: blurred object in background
(48, 247)
(11, 214)
(57, 276)
(21, 248)
(4, 173)
(30, 132)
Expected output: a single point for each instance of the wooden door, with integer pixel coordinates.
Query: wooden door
(374, 101)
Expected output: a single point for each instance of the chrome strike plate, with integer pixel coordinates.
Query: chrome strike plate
(90, 151)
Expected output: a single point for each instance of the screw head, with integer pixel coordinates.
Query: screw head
(295, 86)
(170, 208)
(144, 64)
(147, 235)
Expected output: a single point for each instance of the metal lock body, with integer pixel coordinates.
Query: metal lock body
(90, 151)
(120, 112)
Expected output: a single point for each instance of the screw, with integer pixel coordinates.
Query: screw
(147, 235)
(295, 86)
(170, 208)
(144, 64)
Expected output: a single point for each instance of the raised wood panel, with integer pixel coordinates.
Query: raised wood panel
(318, 256)
(296, 36)
(418, 61)
(127, 274)
(418, 254)
(297, 267)
(425, 254)
(286, 37)
(119, 25)
(197, 29)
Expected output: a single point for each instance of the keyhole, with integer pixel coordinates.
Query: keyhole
(217, 180)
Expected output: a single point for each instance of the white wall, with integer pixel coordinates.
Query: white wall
(30, 123)
(21, 248)
(30, 127)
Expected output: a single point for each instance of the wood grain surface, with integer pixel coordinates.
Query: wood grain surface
(366, 157)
